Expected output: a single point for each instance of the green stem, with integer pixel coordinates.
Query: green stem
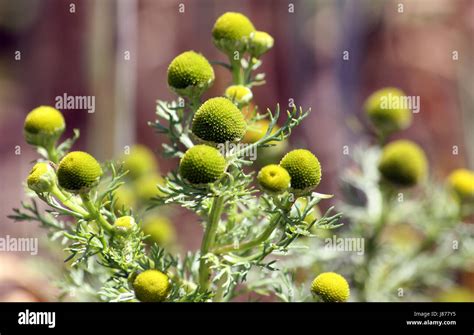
(208, 240)
(95, 213)
(66, 201)
(237, 76)
(52, 153)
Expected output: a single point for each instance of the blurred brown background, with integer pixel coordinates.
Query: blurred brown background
(81, 48)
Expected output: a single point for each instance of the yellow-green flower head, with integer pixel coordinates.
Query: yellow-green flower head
(190, 74)
(260, 42)
(231, 32)
(124, 198)
(78, 172)
(461, 181)
(202, 164)
(331, 287)
(403, 163)
(304, 170)
(160, 230)
(139, 161)
(125, 223)
(239, 94)
(42, 178)
(43, 125)
(151, 286)
(218, 120)
(274, 179)
(385, 112)
(146, 187)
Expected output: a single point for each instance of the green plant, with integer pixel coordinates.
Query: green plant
(244, 230)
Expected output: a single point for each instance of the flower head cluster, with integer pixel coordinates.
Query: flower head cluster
(43, 126)
(461, 181)
(384, 111)
(304, 169)
(218, 120)
(403, 163)
(202, 164)
(78, 172)
(190, 74)
(42, 178)
(331, 287)
(151, 286)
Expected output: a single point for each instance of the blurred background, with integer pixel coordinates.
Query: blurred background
(328, 55)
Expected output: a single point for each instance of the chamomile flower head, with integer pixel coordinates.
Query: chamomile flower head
(202, 164)
(304, 169)
(78, 172)
(160, 230)
(385, 110)
(461, 181)
(259, 43)
(125, 223)
(42, 178)
(151, 286)
(231, 32)
(403, 163)
(190, 74)
(239, 94)
(139, 161)
(331, 287)
(274, 179)
(146, 187)
(124, 198)
(218, 120)
(43, 126)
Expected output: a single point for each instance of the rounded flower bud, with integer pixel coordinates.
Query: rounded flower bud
(124, 223)
(461, 181)
(43, 126)
(124, 198)
(151, 286)
(78, 172)
(304, 170)
(146, 187)
(202, 164)
(42, 178)
(231, 32)
(239, 94)
(190, 74)
(139, 161)
(384, 110)
(274, 179)
(218, 120)
(331, 287)
(260, 42)
(403, 163)
(159, 229)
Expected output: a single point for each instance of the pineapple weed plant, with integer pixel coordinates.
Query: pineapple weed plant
(245, 227)
(248, 229)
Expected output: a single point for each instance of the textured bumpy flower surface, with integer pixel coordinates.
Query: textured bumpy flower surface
(202, 164)
(274, 179)
(403, 163)
(331, 287)
(304, 169)
(461, 181)
(231, 32)
(78, 172)
(42, 178)
(139, 161)
(218, 120)
(384, 110)
(43, 124)
(190, 73)
(151, 286)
